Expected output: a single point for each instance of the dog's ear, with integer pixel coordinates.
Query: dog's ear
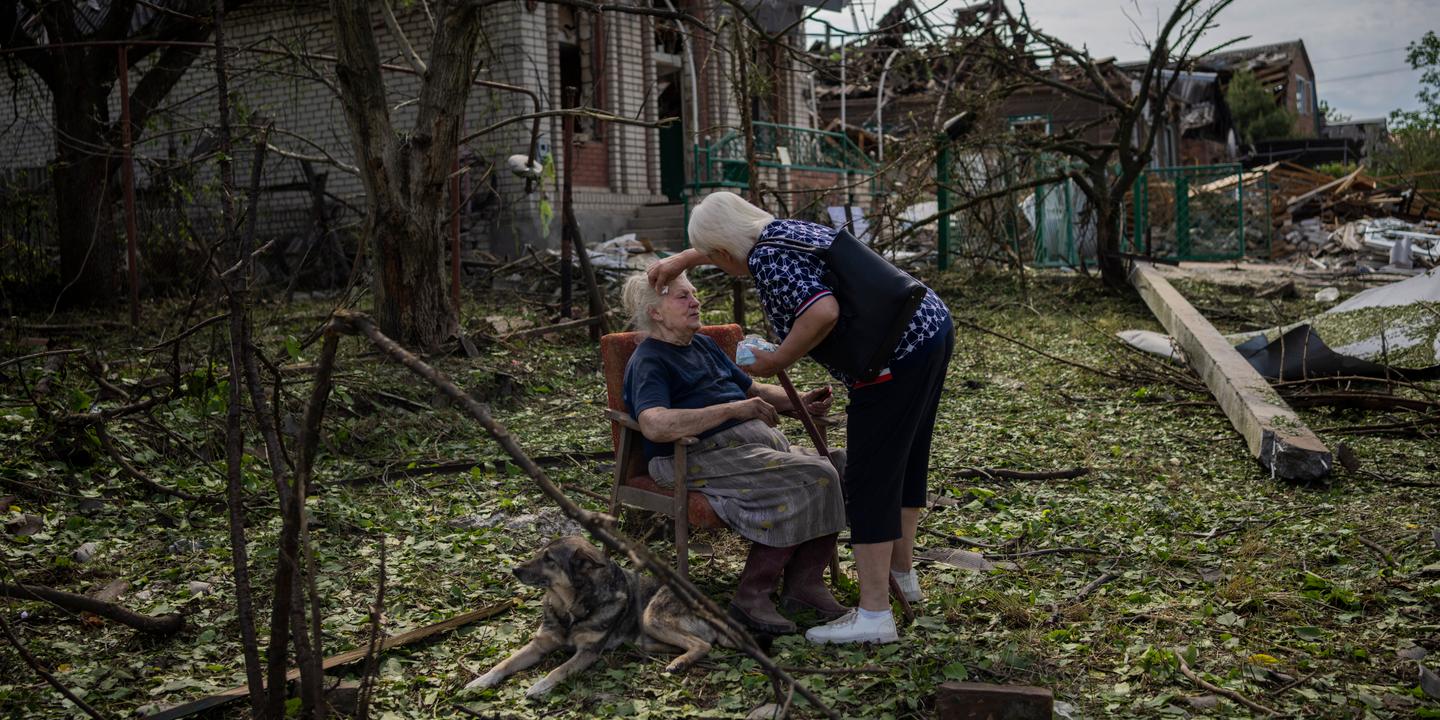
(586, 558)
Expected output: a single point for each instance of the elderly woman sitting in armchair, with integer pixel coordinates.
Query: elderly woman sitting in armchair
(786, 501)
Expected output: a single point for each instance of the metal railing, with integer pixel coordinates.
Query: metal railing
(722, 164)
(1190, 213)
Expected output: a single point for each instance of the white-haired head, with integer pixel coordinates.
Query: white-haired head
(639, 298)
(726, 221)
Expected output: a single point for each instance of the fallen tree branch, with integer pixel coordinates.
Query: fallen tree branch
(1398, 482)
(1233, 695)
(228, 696)
(1085, 592)
(1378, 548)
(1046, 551)
(149, 624)
(47, 677)
(956, 539)
(557, 327)
(1002, 473)
(140, 477)
(1395, 427)
(599, 525)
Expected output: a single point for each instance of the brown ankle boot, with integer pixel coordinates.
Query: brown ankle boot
(805, 582)
(752, 604)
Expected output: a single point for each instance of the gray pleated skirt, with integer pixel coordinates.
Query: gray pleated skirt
(764, 488)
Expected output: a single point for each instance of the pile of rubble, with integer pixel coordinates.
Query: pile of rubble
(1352, 221)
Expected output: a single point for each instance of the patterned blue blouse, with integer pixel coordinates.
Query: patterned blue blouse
(789, 282)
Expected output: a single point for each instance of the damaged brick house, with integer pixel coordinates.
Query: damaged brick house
(887, 92)
(637, 66)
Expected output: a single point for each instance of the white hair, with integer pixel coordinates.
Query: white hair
(725, 221)
(639, 297)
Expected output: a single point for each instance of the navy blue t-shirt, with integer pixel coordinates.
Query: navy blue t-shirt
(689, 377)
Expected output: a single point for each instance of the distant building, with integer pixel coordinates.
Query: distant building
(1283, 68)
(1371, 133)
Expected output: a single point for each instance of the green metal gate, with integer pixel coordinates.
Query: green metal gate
(1042, 226)
(1189, 213)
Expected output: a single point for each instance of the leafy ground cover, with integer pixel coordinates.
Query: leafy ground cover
(1176, 547)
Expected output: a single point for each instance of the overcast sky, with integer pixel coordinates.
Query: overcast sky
(1356, 46)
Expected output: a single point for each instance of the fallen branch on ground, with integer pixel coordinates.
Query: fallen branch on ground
(236, 693)
(1233, 695)
(149, 624)
(1085, 592)
(140, 477)
(1004, 474)
(1046, 551)
(47, 677)
(557, 327)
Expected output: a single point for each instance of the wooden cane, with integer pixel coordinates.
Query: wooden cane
(824, 449)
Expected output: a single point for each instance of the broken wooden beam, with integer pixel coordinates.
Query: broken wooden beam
(1274, 434)
(236, 693)
(982, 701)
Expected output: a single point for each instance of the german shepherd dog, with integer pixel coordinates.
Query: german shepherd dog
(592, 605)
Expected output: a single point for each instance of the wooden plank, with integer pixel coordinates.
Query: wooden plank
(646, 500)
(982, 701)
(1273, 433)
(236, 693)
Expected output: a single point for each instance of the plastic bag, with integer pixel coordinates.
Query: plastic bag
(744, 352)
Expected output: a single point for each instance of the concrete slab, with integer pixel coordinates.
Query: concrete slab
(1273, 433)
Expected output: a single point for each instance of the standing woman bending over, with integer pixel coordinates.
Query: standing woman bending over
(890, 419)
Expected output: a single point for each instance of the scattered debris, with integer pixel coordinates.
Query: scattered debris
(1429, 681)
(1353, 221)
(185, 546)
(545, 525)
(1386, 331)
(85, 553)
(25, 525)
(963, 559)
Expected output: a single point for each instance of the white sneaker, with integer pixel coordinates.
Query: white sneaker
(852, 628)
(909, 584)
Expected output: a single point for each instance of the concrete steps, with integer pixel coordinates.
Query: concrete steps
(663, 226)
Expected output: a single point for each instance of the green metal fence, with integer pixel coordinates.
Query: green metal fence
(1189, 213)
(722, 164)
(1042, 226)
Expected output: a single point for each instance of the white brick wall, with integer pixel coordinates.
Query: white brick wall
(518, 47)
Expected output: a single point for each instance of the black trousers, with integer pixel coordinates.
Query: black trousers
(888, 434)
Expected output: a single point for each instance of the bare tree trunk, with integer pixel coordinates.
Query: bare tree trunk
(406, 178)
(83, 200)
(1107, 237)
(407, 277)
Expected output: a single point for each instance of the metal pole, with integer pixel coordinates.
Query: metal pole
(942, 201)
(132, 252)
(844, 130)
(880, 107)
(567, 231)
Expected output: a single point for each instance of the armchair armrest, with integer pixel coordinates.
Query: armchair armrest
(629, 423)
(623, 418)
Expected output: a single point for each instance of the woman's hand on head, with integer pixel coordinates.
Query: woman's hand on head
(662, 272)
(756, 409)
